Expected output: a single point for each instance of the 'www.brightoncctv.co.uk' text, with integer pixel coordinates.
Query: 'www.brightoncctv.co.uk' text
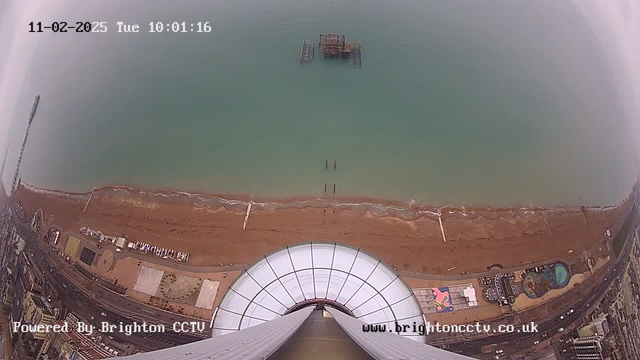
(429, 328)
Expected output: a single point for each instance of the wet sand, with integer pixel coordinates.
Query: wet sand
(404, 236)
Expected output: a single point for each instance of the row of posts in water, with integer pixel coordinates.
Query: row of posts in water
(326, 166)
(334, 188)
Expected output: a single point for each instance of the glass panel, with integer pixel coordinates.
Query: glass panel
(406, 308)
(322, 280)
(383, 315)
(396, 291)
(344, 258)
(370, 305)
(381, 277)
(269, 302)
(261, 272)
(278, 291)
(365, 293)
(291, 283)
(246, 286)
(234, 302)
(306, 280)
(301, 256)
(350, 287)
(390, 325)
(280, 262)
(337, 279)
(259, 312)
(322, 255)
(364, 266)
(248, 322)
(227, 320)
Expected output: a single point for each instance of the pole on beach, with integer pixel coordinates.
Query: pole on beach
(326, 164)
(335, 162)
(334, 188)
(442, 228)
(246, 217)
(88, 200)
(325, 187)
(545, 221)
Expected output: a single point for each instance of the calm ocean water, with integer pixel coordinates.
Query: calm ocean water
(463, 102)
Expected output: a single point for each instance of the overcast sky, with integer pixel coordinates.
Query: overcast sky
(616, 23)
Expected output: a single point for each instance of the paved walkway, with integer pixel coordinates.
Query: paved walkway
(472, 276)
(239, 267)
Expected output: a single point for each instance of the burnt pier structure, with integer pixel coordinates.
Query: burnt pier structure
(333, 46)
(307, 51)
(336, 45)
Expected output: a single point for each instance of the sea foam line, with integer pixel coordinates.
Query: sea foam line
(204, 200)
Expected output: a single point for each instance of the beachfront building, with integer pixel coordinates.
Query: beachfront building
(587, 348)
(74, 345)
(35, 311)
(469, 293)
(599, 326)
(315, 301)
(446, 299)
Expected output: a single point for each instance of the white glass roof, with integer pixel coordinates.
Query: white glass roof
(362, 284)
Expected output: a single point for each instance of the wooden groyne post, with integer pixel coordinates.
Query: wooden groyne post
(89, 199)
(246, 216)
(442, 228)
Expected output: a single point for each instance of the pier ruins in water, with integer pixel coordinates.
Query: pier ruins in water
(333, 46)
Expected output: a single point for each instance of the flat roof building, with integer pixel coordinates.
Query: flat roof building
(587, 348)
(599, 326)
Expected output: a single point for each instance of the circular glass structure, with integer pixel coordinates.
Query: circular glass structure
(340, 276)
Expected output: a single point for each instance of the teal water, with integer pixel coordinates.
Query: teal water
(459, 102)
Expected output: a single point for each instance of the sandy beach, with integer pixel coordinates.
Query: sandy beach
(404, 236)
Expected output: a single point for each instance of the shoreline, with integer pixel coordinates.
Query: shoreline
(407, 211)
(406, 237)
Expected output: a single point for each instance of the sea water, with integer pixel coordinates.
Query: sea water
(456, 102)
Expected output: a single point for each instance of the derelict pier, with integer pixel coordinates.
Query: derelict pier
(333, 46)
